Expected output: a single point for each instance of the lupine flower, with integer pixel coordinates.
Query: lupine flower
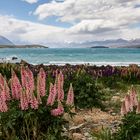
(133, 97)
(59, 85)
(123, 109)
(4, 87)
(52, 94)
(7, 90)
(15, 86)
(70, 96)
(41, 82)
(31, 79)
(138, 108)
(3, 105)
(23, 101)
(58, 111)
(3, 95)
(29, 84)
(128, 103)
(1, 80)
(23, 77)
(25, 84)
(39, 98)
(34, 102)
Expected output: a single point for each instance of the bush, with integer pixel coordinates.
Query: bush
(130, 127)
(87, 94)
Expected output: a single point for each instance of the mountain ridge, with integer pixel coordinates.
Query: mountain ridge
(5, 41)
(110, 43)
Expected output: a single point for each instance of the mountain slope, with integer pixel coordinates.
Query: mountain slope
(5, 41)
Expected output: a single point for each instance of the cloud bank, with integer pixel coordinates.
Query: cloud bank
(89, 19)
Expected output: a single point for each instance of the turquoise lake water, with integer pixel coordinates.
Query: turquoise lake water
(60, 56)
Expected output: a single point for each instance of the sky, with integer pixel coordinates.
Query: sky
(66, 21)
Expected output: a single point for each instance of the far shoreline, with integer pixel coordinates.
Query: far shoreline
(23, 46)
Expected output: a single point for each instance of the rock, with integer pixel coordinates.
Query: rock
(14, 58)
(77, 136)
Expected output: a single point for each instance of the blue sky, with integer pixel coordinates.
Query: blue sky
(64, 21)
(21, 10)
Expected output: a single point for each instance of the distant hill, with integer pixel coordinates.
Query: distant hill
(23, 46)
(5, 41)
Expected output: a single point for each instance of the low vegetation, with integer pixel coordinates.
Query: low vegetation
(37, 118)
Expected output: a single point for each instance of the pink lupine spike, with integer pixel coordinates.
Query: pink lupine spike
(27, 82)
(138, 108)
(128, 103)
(7, 91)
(123, 109)
(4, 87)
(34, 102)
(30, 78)
(52, 94)
(133, 97)
(41, 82)
(15, 86)
(39, 98)
(70, 96)
(3, 95)
(49, 100)
(23, 77)
(1, 80)
(3, 105)
(23, 101)
(59, 85)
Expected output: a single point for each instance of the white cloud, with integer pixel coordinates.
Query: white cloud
(93, 16)
(72, 10)
(31, 1)
(29, 32)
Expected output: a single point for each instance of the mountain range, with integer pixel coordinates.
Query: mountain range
(107, 43)
(4, 42)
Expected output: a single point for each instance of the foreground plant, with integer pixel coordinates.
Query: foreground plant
(27, 112)
(130, 126)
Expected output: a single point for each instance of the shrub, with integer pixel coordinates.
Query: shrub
(130, 127)
(87, 94)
